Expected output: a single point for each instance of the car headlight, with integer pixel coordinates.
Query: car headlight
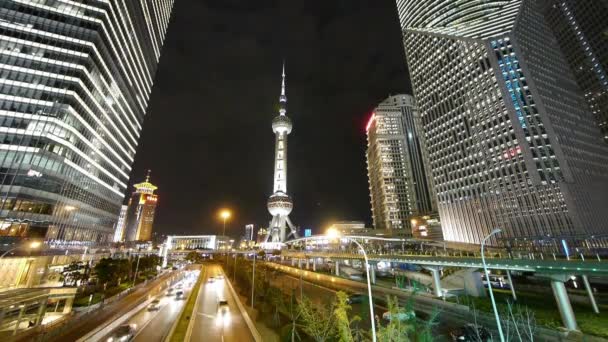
(111, 339)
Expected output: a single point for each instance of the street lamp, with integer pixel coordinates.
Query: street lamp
(485, 269)
(32, 245)
(225, 214)
(333, 233)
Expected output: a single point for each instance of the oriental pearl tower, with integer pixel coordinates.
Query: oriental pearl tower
(279, 203)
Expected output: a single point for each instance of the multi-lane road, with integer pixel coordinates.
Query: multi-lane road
(155, 325)
(210, 323)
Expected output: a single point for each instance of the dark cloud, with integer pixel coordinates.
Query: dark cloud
(207, 135)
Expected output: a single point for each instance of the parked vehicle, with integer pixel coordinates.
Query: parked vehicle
(356, 298)
(401, 316)
(179, 294)
(471, 332)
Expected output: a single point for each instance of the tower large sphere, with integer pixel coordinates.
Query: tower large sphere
(280, 204)
(281, 124)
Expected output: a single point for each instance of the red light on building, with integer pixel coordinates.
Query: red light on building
(370, 121)
(512, 152)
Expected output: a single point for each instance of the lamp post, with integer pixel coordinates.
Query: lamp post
(333, 233)
(253, 280)
(225, 215)
(32, 245)
(136, 268)
(485, 269)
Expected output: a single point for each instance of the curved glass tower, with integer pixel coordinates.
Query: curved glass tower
(75, 81)
(511, 142)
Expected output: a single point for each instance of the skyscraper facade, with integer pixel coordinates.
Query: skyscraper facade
(249, 232)
(119, 233)
(75, 81)
(511, 141)
(398, 179)
(140, 213)
(580, 29)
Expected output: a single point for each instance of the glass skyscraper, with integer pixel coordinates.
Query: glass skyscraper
(512, 143)
(75, 81)
(581, 32)
(396, 164)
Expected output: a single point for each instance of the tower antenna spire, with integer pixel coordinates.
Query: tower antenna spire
(283, 83)
(148, 175)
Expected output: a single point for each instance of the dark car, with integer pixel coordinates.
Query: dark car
(471, 332)
(179, 294)
(356, 298)
(125, 332)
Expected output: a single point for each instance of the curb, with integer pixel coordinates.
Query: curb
(254, 331)
(198, 296)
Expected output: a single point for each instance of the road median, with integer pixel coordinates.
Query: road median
(180, 328)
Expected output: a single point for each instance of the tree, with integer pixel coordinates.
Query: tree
(110, 270)
(397, 330)
(343, 322)
(317, 320)
(194, 257)
(75, 272)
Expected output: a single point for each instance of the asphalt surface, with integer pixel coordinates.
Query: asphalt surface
(209, 324)
(122, 305)
(154, 326)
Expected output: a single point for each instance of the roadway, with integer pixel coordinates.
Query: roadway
(154, 326)
(107, 312)
(209, 325)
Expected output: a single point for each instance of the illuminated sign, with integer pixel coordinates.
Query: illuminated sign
(307, 232)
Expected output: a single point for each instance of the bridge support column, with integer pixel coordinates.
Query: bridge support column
(511, 285)
(293, 262)
(300, 263)
(563, 302)
(372, 273)
(435, 271)
(337, 267)
(314, 264)
(307, 263)
(590, 294)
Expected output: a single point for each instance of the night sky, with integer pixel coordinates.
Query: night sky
(207, 136)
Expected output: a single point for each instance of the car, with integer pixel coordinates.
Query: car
(401, 316)
(125, 332)
(169, 292)
(471, 332)
(179, 294)
(222, 305)
(220, 276)
(153, 307)
(179, 286)
(356, 298)
(211, 280)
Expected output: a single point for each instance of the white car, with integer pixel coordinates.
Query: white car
(401, 316)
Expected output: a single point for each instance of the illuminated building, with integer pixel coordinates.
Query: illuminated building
(396, 167)
(248, 232)
(511, 141)
(140, 214)
(580, 29)
(279, 203)
(75, 82)
(262, 235)
(119, 234)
